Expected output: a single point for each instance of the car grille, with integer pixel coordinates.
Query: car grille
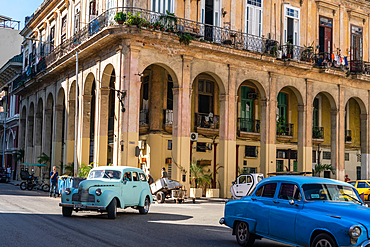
(83, 196)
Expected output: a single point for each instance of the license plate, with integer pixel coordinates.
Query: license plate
(79, 206)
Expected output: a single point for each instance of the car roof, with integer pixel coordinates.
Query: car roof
(117, 168)
(304, 180)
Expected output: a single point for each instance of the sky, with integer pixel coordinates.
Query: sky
(19, 9)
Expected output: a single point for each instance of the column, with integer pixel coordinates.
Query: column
(268, 128)
(227, 150)
(130, 118)
(101, 143)
(181, 125)
(70, 132)
(56, 157)
(364, 147)
(334, 140)
(84, 143)
(38, 135)
(341, 133)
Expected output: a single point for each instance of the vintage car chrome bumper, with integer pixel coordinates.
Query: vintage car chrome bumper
(365, 244)
(82, 207)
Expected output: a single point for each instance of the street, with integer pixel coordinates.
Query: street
(32, 218)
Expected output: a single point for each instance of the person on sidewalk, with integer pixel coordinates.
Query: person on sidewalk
(150, 179)
(9, 172)
(163, 173)
(347, 179)
(53, 181)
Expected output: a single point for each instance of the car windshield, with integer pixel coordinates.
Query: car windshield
(330, 192)
(109, 174)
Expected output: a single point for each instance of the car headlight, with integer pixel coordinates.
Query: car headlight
(98, 192)
(355, 232)
(68, 191)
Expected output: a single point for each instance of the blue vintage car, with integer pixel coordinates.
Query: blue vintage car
(109, 187)
(301, 211)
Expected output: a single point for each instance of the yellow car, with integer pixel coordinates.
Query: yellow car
(362, 186)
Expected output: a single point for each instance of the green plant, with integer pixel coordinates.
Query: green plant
(199, 178)
(169, 20)
(280, 124)
(43, 158)
(84, 170)
(307, 53)
(19, 155)
(69, 169)
(120, 17)
(185, 38)
(320, 168)
(316, 133)
(134, 19)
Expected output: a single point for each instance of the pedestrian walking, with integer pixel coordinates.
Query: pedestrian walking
(346, 178)
(163, 173)
(53, 181)
(150, 179)
(9, 172)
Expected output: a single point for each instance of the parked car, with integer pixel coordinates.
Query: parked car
(362, 186)
(3, 175)
(245, 184)
(106, 188)
(301, 211)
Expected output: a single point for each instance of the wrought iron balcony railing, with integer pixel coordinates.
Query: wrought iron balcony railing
(284, 129)
(207, 121)
(318, 132)
(360, 67)
(299, 53)
(348, 136)
(168, 117)
(325, 60)
(249, 125)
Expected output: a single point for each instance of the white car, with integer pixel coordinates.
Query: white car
(245, 184)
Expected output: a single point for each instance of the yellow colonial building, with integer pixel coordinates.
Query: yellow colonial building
(237, 86)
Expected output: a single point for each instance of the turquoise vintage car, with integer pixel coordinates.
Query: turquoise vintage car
(301, 211)
(109, 187)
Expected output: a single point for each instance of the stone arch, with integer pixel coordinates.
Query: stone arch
(330, 97)
(361, 104)
(72, 91)
(60, 114)
(215, 76)
(106, 76)
(90, 79)
(256, 83)
(165, 66)
(49, 127)
(296, 92)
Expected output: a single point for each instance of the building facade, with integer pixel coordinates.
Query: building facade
(265, 86)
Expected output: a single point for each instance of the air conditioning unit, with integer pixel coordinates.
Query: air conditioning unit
(141, 144)
(252, 96)
(193, 136)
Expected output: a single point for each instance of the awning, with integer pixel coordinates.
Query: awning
(31, 164)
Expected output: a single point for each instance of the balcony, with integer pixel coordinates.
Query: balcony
(284, 131)
(296, 52)
(348, 136)
(317, 134)
(249, 128)
(207, 122)
(360, 67)
(167, 120)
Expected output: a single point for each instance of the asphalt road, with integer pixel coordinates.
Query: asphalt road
(31, 218)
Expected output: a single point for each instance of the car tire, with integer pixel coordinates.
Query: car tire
(112, 209)
(160, 197)
(66, 211)
(23, 186)
(322, 240)
(145, 209)
(243, 236)
(46, 188)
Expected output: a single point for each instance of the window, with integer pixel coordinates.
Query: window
(205, 96)
(358, 172)
(169, 145)
(325, 34)
(169, 93)
(356, 43)
(142, 177)
(279, 165)
(52, 38)
(253, 17)
(42, 44)
(282, 106)
(127, 176)
(346, 156)
(162, 6)
(250, 151)
(326, 155)
(169, 170)
(77, 20)
(362, 185)
(326, 174)
(64, 29)
(314, 157)
(135, 176)
(267, 190)
(291, 25)
(245, 179)
(289, 192)
(358, 157)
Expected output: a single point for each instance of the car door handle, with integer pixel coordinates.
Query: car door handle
(134, 186)
(254, 199)
(275, 201)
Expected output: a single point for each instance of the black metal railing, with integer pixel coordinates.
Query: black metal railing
(360, 67)
(157, 21)
(284, 129)
(249, 125)
(168, 117)
(348, 136)
(298, 53)
(326, 60)
(19, 81)
(208, 121)
(143, 117)
(317, 132)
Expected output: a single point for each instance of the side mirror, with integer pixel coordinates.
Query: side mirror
(291, 202)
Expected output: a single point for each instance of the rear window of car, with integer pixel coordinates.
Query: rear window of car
(362, 185)
(267, 190)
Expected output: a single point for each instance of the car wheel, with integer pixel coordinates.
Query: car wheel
(67, 212)
(145, 209)
(112, 209)
(23, 186)
(160, 197)
(323, 240)
(46, 188)
(243, 236)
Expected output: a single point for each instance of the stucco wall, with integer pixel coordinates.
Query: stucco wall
(10, 44)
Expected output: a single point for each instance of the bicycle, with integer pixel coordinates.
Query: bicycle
(39, 185)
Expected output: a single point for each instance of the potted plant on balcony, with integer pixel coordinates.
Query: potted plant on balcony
(316, 133)
(289, 50)
(134, 19)
(307, 53)
(280, 123)
(120, 18)
(169, 20)
(199, 179)
(185, 38)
